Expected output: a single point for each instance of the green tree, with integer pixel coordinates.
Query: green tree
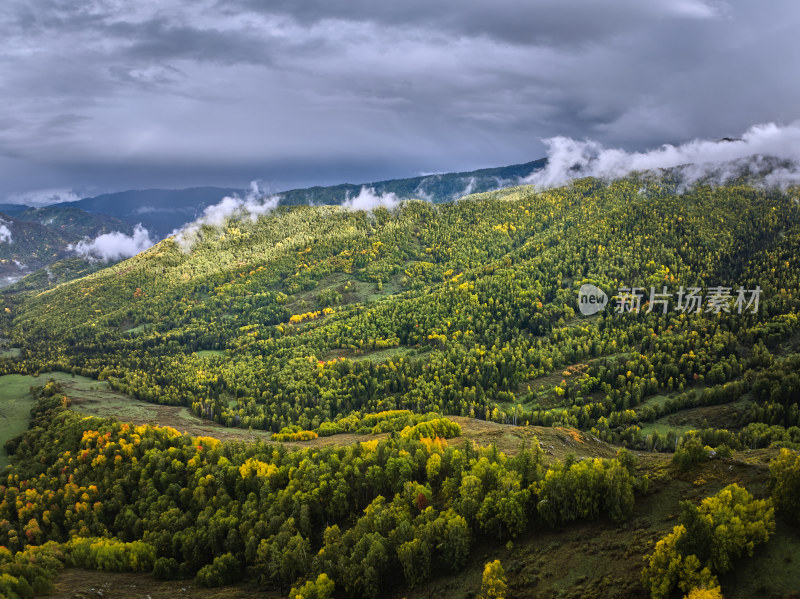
(785, 483)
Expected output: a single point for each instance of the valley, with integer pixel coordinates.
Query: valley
(366, 403)
(419, 300)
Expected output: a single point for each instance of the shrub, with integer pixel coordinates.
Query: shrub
(326, 429)
(689, 454)
(110, 555)
(321, 588)
(225, 569)
(166, 568)
(440, 427)
(298, 436)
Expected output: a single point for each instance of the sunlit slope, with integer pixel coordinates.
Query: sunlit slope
(467, 308)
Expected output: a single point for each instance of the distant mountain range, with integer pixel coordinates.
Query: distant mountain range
(39, 237)
(161, 211)
(435, 188)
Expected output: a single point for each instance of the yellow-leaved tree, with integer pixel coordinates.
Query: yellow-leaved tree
(710, 593)
(494, 581)
(705, 544)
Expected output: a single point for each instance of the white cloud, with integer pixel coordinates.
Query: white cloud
(368, 200)
(154, 209)
(43, 197)
(697, 10)
(114, 246)
(251, 207)
(469, 188)
(569, 159)
(420, 192)
(5, 232)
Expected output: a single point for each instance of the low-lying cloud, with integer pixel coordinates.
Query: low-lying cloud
(5, 232)
(754, 153)
(43, 197)
(160, 210)
(251, 207)
(469, 188)
(368, 200)
(114, 246)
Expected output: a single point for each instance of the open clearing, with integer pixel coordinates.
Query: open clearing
(75, 583)
(95, 398)
(713, 416)
(15, 409)
(209, 353)
(599, 559)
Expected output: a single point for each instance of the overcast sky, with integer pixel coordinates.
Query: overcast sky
(107, 95)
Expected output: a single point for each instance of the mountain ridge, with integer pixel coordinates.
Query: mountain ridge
(163, 211)
(146, 206)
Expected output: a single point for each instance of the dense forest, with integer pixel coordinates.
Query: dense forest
(312, 322)
(457, 308)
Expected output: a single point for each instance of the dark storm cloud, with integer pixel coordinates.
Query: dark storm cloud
(106, 94)
(550, 22)
(160, 39)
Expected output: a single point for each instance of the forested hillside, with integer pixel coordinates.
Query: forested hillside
(36, 238)
(319, 321)
(467, 308)
(47, 237)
